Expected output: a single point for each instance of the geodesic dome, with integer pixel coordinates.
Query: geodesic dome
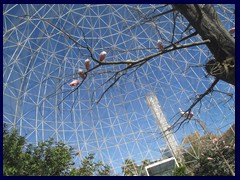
(45, 45)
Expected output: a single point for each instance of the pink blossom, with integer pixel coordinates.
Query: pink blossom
(186, 114)
(87, 64)
(160, 45)
(232, 30)
(215, 140)
(81, 73)
(102, 56)
(129, 62)
(74, 83)
(190, 115)
(209, 158)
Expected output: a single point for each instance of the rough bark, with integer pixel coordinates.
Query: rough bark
(205, 20)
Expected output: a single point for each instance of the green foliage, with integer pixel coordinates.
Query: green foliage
(211, 158)
(90, 168)
(13, 154)
(129, 168)
(180, 171)
(46, 159)
(145, 163)
(229, 135)
(49, 158)
(217, 161)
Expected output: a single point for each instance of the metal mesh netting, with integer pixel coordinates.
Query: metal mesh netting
(39, 60)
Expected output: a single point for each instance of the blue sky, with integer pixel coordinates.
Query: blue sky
(39, 60)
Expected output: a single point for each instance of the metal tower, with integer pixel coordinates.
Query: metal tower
(161, 121)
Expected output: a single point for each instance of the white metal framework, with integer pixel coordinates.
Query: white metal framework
(40, 60)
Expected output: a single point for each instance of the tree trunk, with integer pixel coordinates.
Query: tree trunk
(205, 20)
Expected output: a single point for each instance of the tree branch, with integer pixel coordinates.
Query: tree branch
(205, 20)
(201, 96)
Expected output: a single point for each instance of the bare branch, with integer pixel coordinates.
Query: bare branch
(147, 17)
(226, 93)
(158, 53)
(191, 66)
(115, 81)
(174, 26)
(71, 92)
(178, 123)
